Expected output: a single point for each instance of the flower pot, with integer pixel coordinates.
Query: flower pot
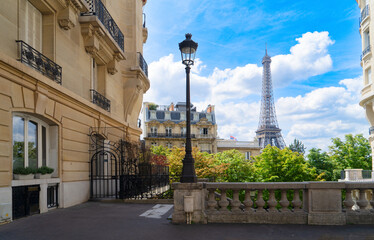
(43, 176)
(23, 177)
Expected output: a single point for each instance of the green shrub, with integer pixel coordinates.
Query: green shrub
(24, 170)
(45, 170)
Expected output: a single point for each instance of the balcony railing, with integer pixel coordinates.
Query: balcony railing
(314, 203)
(98, 9)
(169, 135)
(30, 56)
(143, 64)
(100, 100)
(371, 130)
(364, 13)
(366, 51)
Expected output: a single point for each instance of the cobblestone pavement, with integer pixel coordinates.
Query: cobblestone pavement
(97, 220)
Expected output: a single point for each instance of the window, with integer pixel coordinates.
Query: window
(366, 39)
(204, 131)
(154, 144)
(153, 131)
(183, 131)
(247, 155)
(168, 131)
(34, 142)
(368, 76)
(93, 74)
(31, 22)
(169, 145)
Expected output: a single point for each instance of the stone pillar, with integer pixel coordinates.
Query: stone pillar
(198, 192)
(324, 201)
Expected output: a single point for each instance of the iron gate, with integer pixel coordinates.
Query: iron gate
(123, 170)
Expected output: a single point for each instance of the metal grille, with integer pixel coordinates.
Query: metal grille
(123, 170)
(52, 196)
(97, 8)
(39, 62)
(100, 100)
(268, 131)
(143, 64)
(25, 200)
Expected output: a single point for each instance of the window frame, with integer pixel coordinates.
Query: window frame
(40, 124)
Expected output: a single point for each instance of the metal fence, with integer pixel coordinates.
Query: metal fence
(33, 58)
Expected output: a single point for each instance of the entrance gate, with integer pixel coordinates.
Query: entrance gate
(123, 170)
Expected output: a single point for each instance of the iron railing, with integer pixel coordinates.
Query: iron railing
(371, 130)
(169, 135)
(100, 100)
(33, 58)
(364, 13)
(52, 196)
(143, 64)
(98, 9)
(144, 20)
(366, 51)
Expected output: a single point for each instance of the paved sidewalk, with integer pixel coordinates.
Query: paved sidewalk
(96, 220)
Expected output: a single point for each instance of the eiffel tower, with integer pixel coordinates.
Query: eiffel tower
(268, 131)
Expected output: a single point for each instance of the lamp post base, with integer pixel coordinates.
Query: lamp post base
(188, 171)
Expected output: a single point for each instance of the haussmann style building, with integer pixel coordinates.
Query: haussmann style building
(66, 66)
(366, 30)
(166, 125)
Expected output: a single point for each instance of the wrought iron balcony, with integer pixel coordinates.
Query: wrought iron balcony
(366, 51)
(98, 9)
(371, 130)
(100, 100)
(169, 135)
(30, 56)
(143, 64)
(364, 13)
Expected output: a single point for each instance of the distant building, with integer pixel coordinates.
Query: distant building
(166, 125)
(367, 92)
(248, 148)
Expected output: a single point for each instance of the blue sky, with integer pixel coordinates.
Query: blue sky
(315, 48)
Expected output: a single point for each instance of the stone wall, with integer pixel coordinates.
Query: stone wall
(313, 203)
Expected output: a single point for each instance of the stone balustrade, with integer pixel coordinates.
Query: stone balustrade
(315, 203)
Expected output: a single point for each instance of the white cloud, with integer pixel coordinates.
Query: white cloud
(322, 113)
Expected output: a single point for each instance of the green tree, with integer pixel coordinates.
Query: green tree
(160, 150)
(238, 168)
(152, 106)
(323, 164)
(352, 153)
(297, 146)
(275, 165)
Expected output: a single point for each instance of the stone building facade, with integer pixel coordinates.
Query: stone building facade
(166, 125)
(366, 30)
(247, 148)
(66, 66)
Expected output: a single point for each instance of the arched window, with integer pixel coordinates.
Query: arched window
(34, 142)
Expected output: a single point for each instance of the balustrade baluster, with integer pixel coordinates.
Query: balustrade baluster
(272, 202)
(348, 202)
(235, 204)
(248, 203)
(212, 203)
(284, 201)
(260, 202)
(296, 202)
(223, 203)
(362, 202)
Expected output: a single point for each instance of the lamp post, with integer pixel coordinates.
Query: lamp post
(188, 50)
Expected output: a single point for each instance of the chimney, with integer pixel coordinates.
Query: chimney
(171, 107)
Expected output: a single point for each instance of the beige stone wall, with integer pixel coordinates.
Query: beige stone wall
(24, 90)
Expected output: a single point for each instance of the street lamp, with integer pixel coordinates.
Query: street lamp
(188, 50)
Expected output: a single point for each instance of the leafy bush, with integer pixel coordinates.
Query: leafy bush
(45, 170)
(24, 170)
